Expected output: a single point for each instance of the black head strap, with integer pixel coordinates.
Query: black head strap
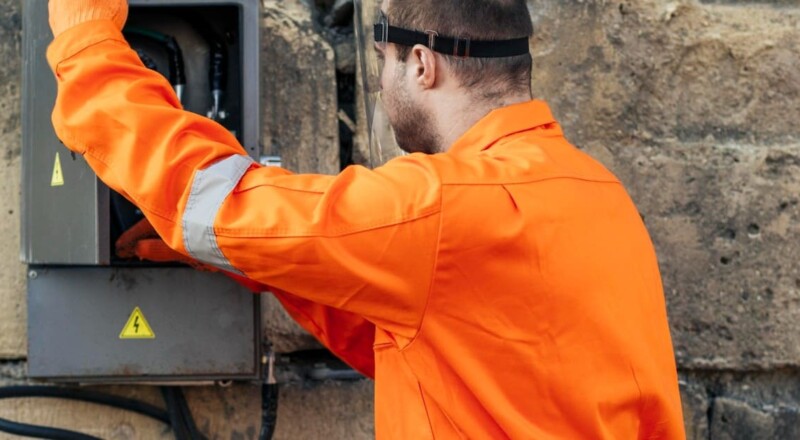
(460, 47)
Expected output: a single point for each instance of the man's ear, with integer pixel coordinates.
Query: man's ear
(424, 63)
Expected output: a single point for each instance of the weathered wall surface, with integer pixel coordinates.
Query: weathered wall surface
(12, 272)
(695, 105)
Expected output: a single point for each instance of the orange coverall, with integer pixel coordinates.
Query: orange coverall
(504, 289)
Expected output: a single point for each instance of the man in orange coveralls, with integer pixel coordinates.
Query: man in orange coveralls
(497, 284)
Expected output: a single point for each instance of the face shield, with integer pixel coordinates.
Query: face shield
(380, 141)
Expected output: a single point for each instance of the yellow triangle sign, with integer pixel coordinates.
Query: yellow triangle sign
(58, 176)
(137, 327)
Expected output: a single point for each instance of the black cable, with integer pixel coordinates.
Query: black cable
(178, 415)
(132, 405)
(218, 64)
(269, 400)
(177, 74)
(175, 416)
(181, 417)
(218, 52)
(186, 415)
(176, 59)
(269, 410)
(218, 71)
(26, 391)
(26, 430)
(147, 60)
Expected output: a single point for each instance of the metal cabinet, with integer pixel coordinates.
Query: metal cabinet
(86, 307)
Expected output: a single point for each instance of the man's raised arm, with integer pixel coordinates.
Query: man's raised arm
(336, 241)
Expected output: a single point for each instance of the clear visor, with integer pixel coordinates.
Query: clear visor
(380, 140)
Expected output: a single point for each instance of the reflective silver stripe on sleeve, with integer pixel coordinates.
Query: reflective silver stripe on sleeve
(210, 188)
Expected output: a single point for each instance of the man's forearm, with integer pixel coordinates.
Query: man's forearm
(128, 123)
(329, 240)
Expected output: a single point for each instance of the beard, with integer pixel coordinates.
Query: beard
(414, 126)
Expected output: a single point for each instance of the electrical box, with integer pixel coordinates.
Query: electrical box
(93, 317)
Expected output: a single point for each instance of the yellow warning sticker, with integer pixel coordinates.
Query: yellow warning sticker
(58, 176)
(137, 327)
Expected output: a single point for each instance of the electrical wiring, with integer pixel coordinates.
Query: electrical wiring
(28, 391)
(186, 414)
(177, 415)
(269, 410)
(147, 60)
(26, 430)
(177, 73)
(132, 405)
(180, 416)
(269, 400)
(218, 65)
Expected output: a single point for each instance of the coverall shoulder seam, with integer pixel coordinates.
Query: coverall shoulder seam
(277, 186)
(432, 280)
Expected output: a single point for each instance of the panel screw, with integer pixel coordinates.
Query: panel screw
(33, 274)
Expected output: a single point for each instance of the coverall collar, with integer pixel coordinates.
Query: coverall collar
(503, 122)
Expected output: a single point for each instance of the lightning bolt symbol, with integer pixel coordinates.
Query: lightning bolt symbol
(136, 324)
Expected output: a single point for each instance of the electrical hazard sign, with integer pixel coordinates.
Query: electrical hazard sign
(58, 176)
(137, 327)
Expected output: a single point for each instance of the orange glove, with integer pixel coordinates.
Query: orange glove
(142, 241)
(65, 14)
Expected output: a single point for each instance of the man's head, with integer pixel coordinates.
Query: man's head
(426, 92)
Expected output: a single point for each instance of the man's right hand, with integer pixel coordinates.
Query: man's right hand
(142, 241)
(65, 14)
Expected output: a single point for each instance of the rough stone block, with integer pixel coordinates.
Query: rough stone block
(669, 70)
(725, 220)
(695, 410)
(12, 272)
(232, 412)
(344, 48)
(13, 316)
(298, 90)
(779, 388)
(734, 420)
(331, 410)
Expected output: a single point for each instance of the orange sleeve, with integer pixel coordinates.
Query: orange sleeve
(363, 242)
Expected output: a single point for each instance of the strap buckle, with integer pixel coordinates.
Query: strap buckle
(456, 42)
(432, 39)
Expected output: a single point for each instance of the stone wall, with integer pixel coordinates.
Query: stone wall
(694, 105)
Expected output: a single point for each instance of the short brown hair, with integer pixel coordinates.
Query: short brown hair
(474, 19)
